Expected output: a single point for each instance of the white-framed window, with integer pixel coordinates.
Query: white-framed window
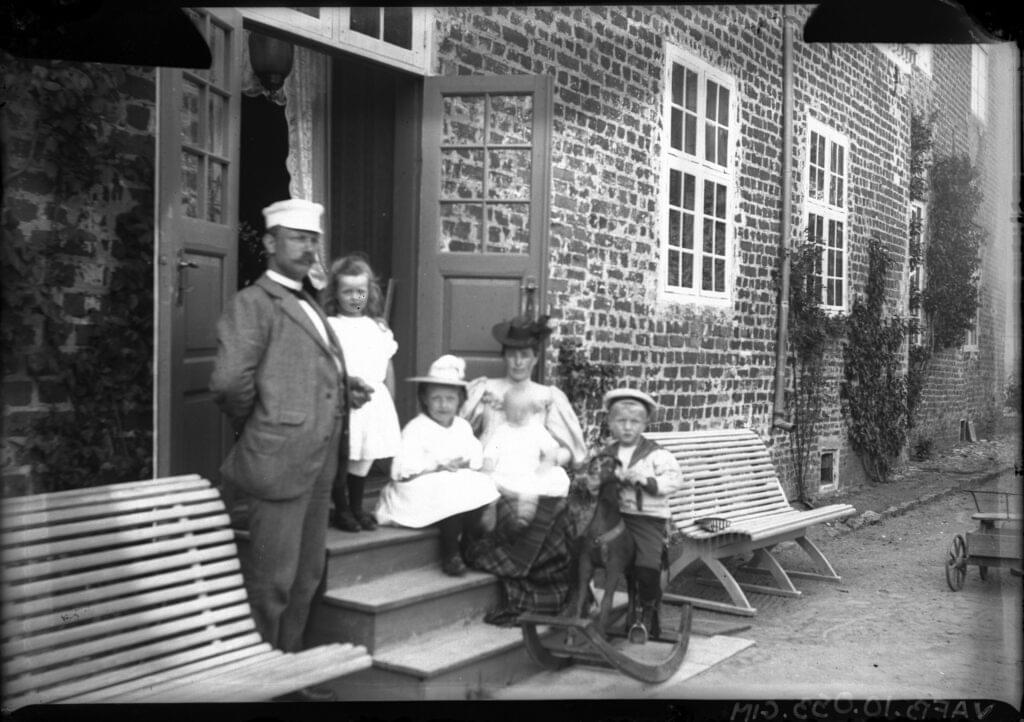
(828, 479)
(396, 36)
(825, 211)
(695, 222)
(979, 82)
(916, 278)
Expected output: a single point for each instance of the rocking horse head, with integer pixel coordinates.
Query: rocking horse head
(602, 477)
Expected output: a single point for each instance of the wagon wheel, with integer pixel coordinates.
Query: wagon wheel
(956, 564)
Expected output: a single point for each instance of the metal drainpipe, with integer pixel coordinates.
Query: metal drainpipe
(779, 412)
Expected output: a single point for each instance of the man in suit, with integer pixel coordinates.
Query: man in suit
(280, 377)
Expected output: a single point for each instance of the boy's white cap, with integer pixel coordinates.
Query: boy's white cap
(446, 371)
(625, 393)
(294, 213)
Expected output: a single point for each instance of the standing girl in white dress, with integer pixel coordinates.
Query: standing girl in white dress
(435, 475)
(354, 307)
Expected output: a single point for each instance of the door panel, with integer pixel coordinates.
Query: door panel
(198, 235)
(483, 212)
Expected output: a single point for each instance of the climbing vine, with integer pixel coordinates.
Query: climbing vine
(810, 330)
(950, 297)
(96, 377)
(585, 384)
(874, 394)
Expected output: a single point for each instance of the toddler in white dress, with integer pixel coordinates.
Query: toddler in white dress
(521, 455)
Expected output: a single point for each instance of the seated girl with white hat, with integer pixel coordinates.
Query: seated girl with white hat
(435, 476)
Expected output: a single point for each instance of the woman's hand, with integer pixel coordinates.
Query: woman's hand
(455, 464)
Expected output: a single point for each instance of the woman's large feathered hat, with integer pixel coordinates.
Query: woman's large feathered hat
(521, 331)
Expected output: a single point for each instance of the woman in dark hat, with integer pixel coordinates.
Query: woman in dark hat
(533, 564)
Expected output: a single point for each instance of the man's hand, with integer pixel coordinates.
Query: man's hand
(359, 392)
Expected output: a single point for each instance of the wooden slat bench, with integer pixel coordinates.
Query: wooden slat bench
(132, 593)
(729, 475)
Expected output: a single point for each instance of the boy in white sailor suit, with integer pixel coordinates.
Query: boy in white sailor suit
(650, 473)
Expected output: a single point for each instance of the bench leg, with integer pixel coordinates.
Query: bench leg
(740, 603)
(763, 561)
(826, 572)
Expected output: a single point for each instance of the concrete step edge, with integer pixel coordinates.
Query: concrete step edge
(340, 543)
(404, 588)
(449, 648)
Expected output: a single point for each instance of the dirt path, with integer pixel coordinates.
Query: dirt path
(891, 629)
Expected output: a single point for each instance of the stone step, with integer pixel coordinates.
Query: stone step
(466, 659)
(396, 607)
(356, 558)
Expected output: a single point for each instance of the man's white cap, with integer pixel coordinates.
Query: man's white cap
(294, 213)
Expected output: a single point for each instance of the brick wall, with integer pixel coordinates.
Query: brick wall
(84, 232)
(709, 366)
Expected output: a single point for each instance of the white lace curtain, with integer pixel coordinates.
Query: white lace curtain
(304, 97)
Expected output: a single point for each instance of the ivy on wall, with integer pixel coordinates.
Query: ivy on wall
(873, 392)
(96, 377)
(585, 384)
(950, 297)
(810, 331)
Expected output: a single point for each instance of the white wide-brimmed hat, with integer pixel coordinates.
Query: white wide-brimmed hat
(634, 395)
(448, 370)
(295, 213)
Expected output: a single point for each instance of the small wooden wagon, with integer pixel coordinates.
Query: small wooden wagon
(995, 543)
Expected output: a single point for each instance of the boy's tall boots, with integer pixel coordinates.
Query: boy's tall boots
(648, 624)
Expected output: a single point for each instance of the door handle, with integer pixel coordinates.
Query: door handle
(183, 265)
(529, 302)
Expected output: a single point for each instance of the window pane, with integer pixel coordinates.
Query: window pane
(814, 149)
(462, 174)
(687, 231)
(719, 200)
(706, 277)
(461, 227)
(675, 187)
(674, 228)
(218, 49)
(511, 119)
(690, 134)
(708, 235)
(677, 84)
(215, 191)
(719, 238)
(217, 128)
(508, 174)
(190, 113)
(673, 267)
(462, 121)
(719, 275)
(190, 184)
(508, 228)
(689, 192)
(676, 131)
(711, 101)
(723, 106)
(723, 144)
(691, 91)
(709, 141)
(686, 270)
(398, 27)
(709, 198)
(365, 20)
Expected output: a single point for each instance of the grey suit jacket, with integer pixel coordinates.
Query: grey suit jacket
(283, 388)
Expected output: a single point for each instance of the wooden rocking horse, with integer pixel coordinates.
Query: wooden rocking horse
(605, 543)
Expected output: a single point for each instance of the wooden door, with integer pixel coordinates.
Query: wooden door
(483, 213)
(197, 200)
